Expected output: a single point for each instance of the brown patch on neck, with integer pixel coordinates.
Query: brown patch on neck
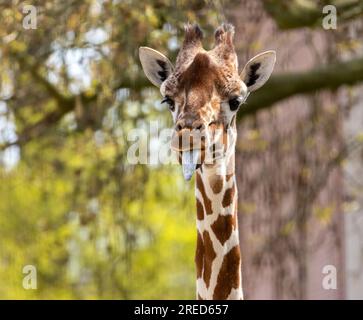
(223, 227)
(200, 210)
(216, 183)
(207, 202)
(209, 256)
(228, 196)
(199, 256)
(229, 275)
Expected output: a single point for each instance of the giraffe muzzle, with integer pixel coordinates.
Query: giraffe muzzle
(186, 140)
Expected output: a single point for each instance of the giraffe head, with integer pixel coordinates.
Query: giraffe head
(204, 92)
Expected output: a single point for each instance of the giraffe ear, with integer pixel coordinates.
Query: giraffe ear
(156, 66)
(257, 71)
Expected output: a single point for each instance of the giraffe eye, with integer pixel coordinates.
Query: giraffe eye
(235, 102)
(170, 103)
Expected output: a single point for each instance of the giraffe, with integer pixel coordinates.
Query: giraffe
(204, 92)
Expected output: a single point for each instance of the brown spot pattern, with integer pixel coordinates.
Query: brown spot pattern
(209, 256)
(223, 227)
(228, 197)
(207, 202)
(228, 277)
(216, 183)
(200, 210)
(229, 176)
(199, 256)
(198, 81)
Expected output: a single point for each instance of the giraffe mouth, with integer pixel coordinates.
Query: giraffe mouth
(187, 140)
(190, 162)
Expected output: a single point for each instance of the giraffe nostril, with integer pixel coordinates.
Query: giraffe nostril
(199, 127)
(212, 123)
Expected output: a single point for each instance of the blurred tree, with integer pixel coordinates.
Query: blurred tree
(93, 225)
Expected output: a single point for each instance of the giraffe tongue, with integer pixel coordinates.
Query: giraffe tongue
(189, 163)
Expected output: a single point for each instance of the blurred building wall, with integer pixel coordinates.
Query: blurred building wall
(290, 194)
(354, 200)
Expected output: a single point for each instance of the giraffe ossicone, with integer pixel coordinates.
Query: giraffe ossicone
(204, 92)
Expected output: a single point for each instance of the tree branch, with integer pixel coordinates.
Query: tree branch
(279, 87)
(309, 13)
(285, 85)
(49, 87)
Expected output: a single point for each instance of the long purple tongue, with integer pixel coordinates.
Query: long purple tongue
(189, 163)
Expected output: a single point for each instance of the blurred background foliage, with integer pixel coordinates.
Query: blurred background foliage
(94, 226)
(71, 90)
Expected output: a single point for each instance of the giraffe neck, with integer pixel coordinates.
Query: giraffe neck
(217, 258)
